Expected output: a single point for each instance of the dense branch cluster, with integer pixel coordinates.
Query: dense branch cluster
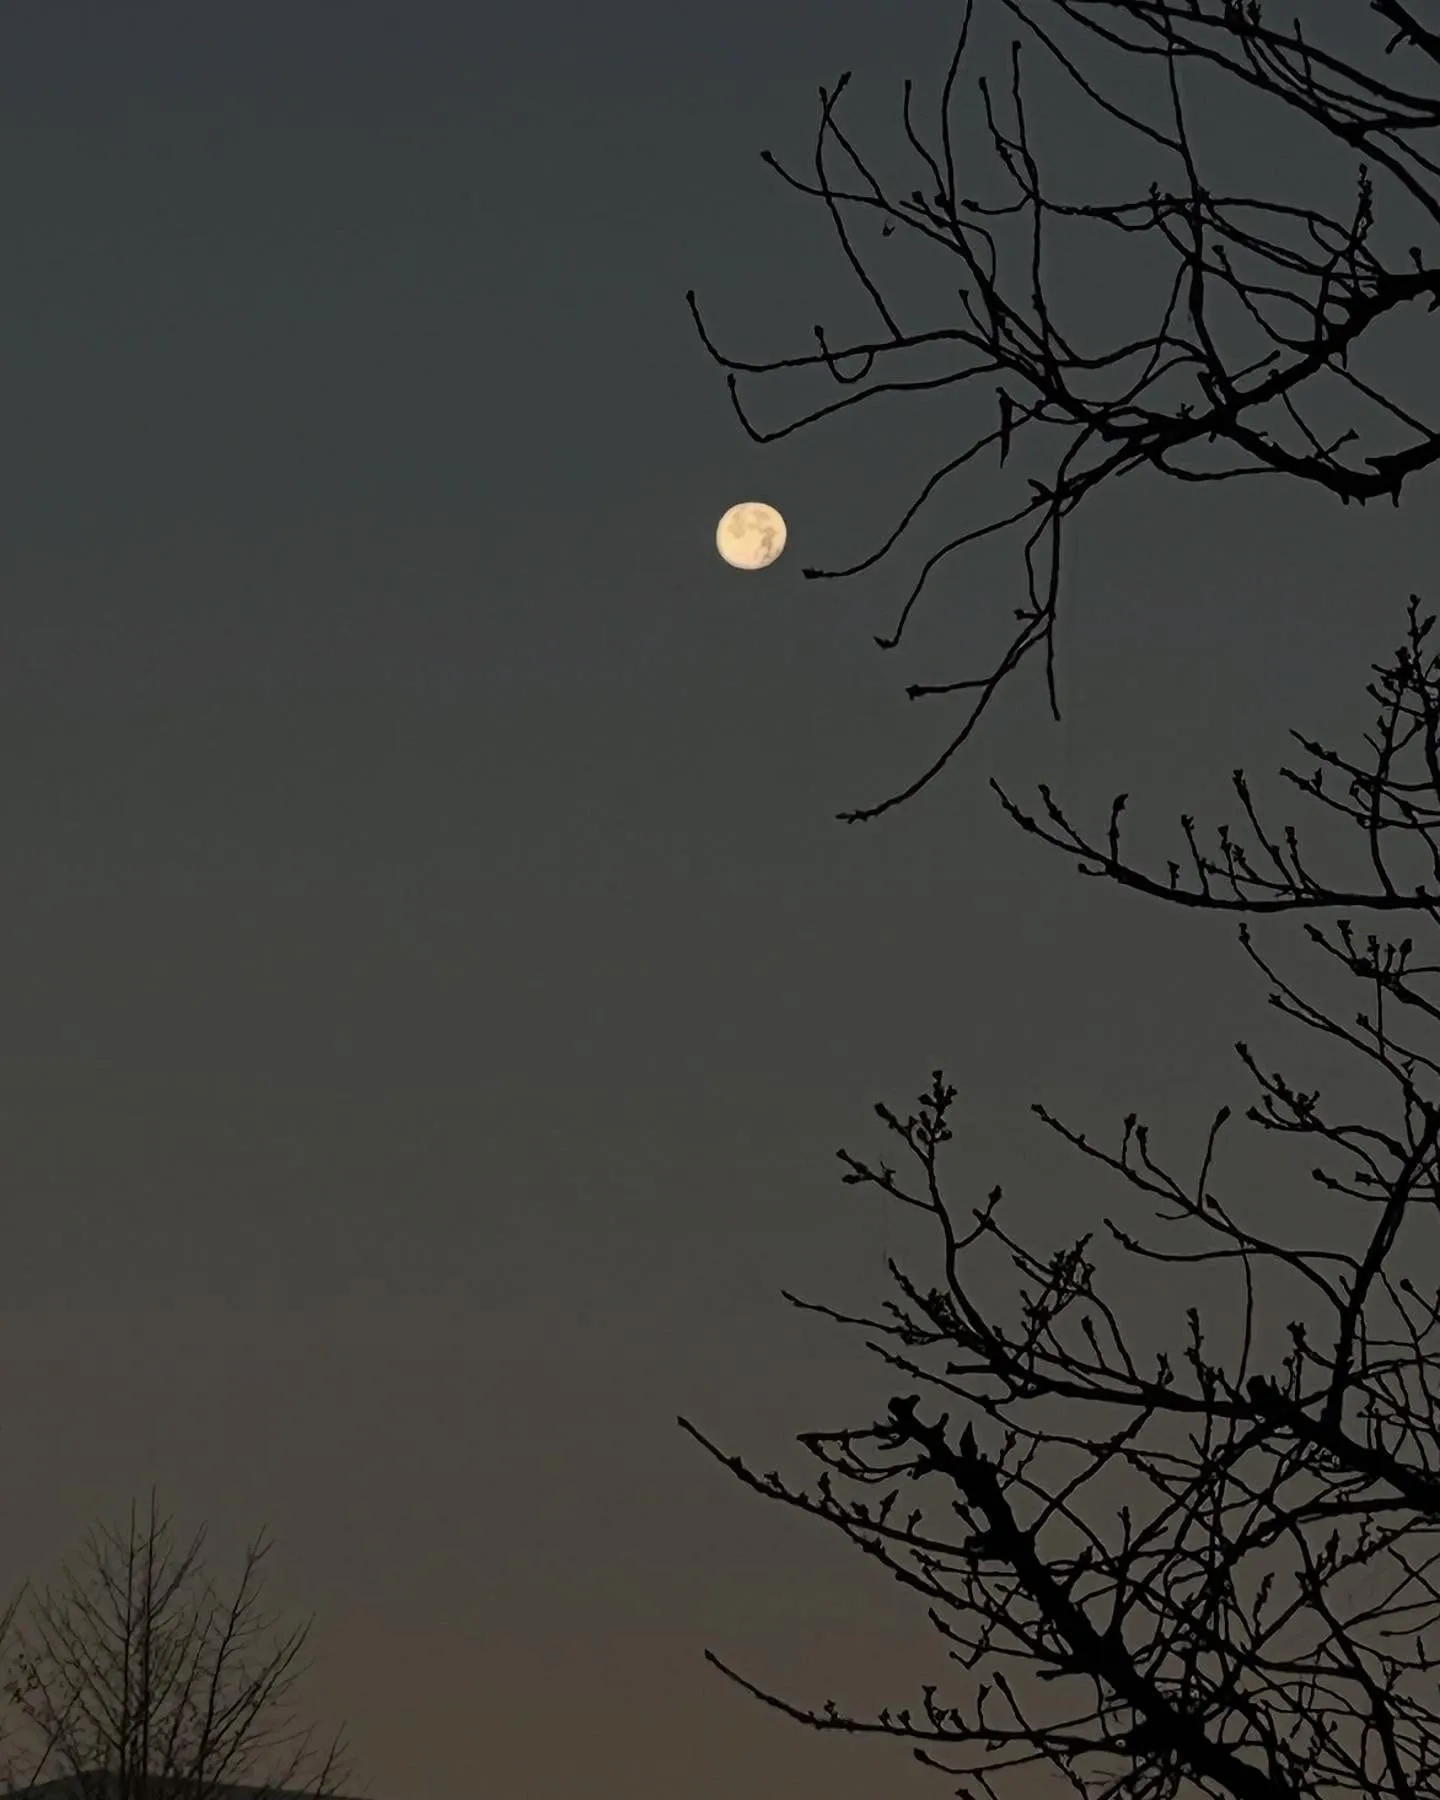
(1224, 1565)
(1307, 287)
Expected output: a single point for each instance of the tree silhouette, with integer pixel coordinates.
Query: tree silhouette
(137, 1681)
(1207, 1570)
(1265, 311)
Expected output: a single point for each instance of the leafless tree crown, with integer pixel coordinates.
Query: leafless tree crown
(136, 1680)
(1199, 1569)
(1307, 288)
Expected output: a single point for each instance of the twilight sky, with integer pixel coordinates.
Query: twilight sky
(434, 981)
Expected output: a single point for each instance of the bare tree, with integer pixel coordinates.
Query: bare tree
(1216, 1571)
(137, 1680)
(1264, 315)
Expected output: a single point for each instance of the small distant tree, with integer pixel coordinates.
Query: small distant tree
(1211, 1564)
(137, 1680)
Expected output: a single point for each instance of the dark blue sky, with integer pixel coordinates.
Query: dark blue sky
(434, 982)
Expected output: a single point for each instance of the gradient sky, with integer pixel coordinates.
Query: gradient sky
(434, 982)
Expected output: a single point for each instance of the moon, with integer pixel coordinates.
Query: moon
(751, 535)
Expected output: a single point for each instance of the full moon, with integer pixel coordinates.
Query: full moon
(751, 535)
